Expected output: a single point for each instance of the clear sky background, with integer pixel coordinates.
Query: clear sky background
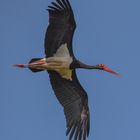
(108, 32)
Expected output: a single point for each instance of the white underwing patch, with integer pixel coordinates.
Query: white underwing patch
(62, 51)
(64, 54)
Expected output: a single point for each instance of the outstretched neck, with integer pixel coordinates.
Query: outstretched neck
(78, 64)
(86, 66)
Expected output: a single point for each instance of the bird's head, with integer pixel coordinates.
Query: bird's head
(78, 64)
(105, 68)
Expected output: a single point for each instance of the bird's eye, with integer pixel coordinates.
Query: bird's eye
(101, 65)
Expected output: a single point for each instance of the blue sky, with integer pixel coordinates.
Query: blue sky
(108, 31)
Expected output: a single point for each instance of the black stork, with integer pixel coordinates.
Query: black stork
(61, 65)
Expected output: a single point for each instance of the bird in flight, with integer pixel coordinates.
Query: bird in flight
(61, 64)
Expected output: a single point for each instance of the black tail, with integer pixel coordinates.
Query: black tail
(33, 60)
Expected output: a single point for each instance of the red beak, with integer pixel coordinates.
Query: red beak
(110, 71)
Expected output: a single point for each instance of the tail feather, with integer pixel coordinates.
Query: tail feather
(33, 60)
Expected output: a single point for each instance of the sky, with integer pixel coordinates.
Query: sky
(108, 32)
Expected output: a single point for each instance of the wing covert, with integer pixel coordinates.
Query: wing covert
(74, 100)
(61, 27)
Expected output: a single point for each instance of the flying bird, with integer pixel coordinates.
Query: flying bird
(61, 64)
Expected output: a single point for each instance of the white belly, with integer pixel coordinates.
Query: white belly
(60, 62)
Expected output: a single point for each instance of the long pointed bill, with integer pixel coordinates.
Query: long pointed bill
(110, 71)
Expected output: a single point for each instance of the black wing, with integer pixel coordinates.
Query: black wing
(61, 27)
(74, 100)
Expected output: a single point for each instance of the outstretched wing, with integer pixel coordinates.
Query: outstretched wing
(61, 27)
(74, 100)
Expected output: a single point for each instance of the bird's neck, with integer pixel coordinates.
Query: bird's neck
(77, 64)
(86, 66)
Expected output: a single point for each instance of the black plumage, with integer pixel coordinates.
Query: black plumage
(74, 100)
(61, 65)
(61, 27)
(70, 93)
